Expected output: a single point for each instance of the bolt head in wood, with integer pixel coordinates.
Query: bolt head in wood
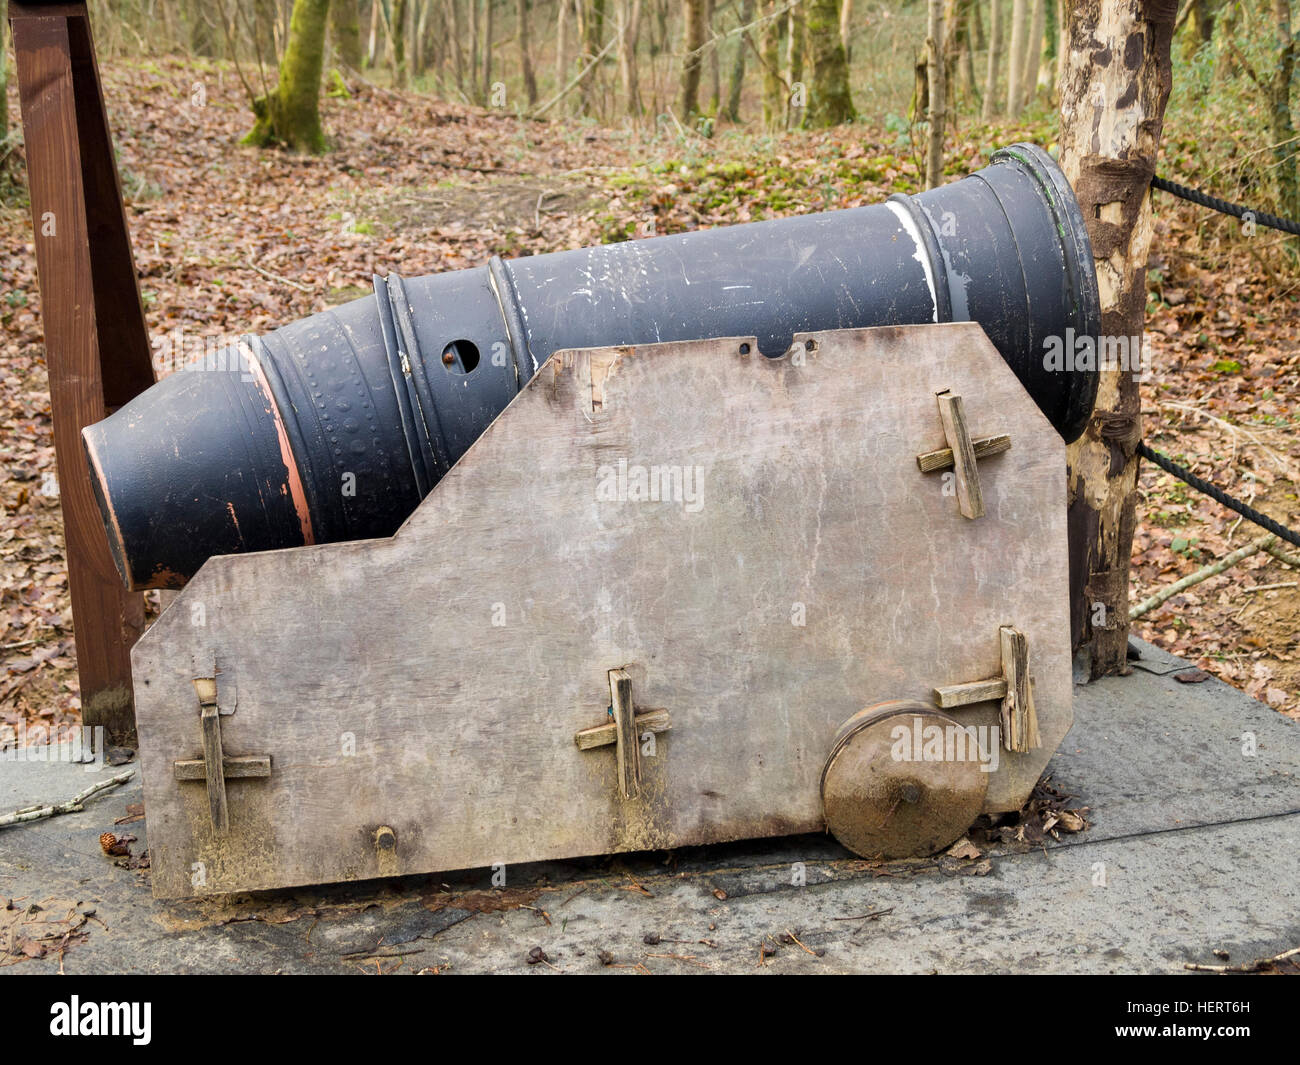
(883, 797)
(385, 839)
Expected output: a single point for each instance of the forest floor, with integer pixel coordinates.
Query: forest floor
(230, 240)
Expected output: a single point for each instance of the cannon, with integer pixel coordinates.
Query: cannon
(335, 427)
(746, 533)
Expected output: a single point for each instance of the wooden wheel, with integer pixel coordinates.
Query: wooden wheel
(885, 794)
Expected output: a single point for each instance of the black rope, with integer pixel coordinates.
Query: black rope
(1272, 221)
(1220, 496)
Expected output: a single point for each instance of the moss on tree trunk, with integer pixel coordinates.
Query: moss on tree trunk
(831, 103)
(345, 29)
(290, 113)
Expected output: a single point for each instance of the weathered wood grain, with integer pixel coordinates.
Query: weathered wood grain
(627, 746)
(1019, 724)
(970, 498)
(977, 691)
(984, 447)
(655, 721)
(816, 572)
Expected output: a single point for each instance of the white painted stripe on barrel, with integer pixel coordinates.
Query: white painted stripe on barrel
(909, 227)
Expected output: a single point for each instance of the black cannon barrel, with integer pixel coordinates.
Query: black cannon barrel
(335, 427)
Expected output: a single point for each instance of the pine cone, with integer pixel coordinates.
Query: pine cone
(114, 847)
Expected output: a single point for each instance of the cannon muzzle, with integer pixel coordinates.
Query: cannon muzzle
(335, 427)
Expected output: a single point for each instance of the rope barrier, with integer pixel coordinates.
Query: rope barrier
(1220, 496)
(1204, 199)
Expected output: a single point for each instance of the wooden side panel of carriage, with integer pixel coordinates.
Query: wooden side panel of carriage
(418, 698)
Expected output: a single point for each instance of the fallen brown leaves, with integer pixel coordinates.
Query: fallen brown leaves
(36, 930)
(1047, 813)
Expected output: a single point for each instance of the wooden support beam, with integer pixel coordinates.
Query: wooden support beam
(970, 499)
(96, 344)
(627, 745)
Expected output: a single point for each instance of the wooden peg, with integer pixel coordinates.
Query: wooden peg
(970, 500)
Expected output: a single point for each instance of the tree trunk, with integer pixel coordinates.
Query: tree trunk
(965, 50)
(202, 33)
(846, 29)
(593, 29)
(934, 46)
(692, 42)
(1286, 153)
(397, 33)
(743, 43)
(422, 47)
(1034, 51)
(1118, 52)
(794, 99)
(525, 53)
(562, 43)
(4, 89)
(1052, 50)
(290, 113)
(770, 43)
(487, 50)
(1200, 27)
(831, 103)
(630, 36)
(345, 31)
(457, 52)
(715, 57)
(1016, 57)
(994, 62)
(372, 42)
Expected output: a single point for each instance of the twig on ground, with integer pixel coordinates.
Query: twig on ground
(71, 806)
(1271, 587)
(1204, 573)
(277, 277)
(1250, 967)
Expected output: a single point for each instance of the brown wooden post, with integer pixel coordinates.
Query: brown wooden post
(96, 342)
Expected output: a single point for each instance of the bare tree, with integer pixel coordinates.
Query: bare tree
(693, 12)
(562, 59)
(744, 42)
(629, 13)
(525, 55)
(345, 32)
(770, 57)
(591, 14)
(1016, 57)
(1118, 50)
(397, 38)
(4, 88)
(1034, 51)
(994, 61)
(934, 45)
(794, 66)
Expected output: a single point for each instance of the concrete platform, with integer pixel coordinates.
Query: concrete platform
(1193, 846)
